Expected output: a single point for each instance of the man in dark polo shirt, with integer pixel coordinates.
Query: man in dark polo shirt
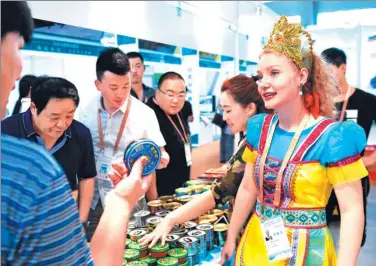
(139, 89)
(359, 106)
(167, 105)
(49, 122)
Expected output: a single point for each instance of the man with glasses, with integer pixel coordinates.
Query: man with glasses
(167, 105)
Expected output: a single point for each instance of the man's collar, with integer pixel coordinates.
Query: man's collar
(122, 108)
(29, 128)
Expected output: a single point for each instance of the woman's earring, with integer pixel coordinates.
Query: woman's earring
(301, 90)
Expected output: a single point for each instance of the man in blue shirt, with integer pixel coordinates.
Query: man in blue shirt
(40, 224)
(49, 122)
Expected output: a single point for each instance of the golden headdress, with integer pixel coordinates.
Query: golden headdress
(292, 41)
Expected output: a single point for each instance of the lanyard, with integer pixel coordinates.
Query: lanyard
(293, 143)
(344, 106)
(120, 133)
(184, 138)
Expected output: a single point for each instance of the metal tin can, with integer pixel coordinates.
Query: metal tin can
(167, 198)
(131, 255)
(192, 182)
(202, 245)
(204, 219)
(142, 249)
(143, 147)
(209, 234)
(180, 232)
(159, 251)
(152, 222)
(169, 261)
(155, 205)
(149, 260)
(220, 234)
(172, 240)
(140, 218)
(162, 213)
(190, 225)
(137, 234)
(183, 199)
(217, 212)
(171, 206)
(132, 224)
(180, 253)
(190, 245)
(183, 191)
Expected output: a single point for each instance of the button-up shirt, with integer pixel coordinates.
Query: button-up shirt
(141, 123)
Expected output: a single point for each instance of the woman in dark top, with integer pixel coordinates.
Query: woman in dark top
(24, 87)
(239, 100)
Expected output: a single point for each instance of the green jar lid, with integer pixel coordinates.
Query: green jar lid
(178, 253)
(159, 248)
(148, 259)
(127, 242)
(135, 245)
(184, 264)
(137, 263)
(131, 254)
(168, 262)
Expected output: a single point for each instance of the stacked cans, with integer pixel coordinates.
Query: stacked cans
(202, 246)
(209, 235)
(190, 244)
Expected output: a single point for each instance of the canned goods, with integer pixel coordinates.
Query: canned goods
(155, 205)
(190, 225)
(169, 261)
(137, 234)
(183, 191)
(202, 246)
(132, 224)
(183, 199)
(142, 249)
(162, 213)
(189, 244)
(152, 222)
(180, 232)
(172, 240)
(149, 260)
(167, 198)
(217, 213)
(136, 263)
(209, 234)
(159, 251)
(180, 253)
(192, 182)
(204, 219)
(171, 206)
(131, 255)
(220, 234)
(140, 218)
(143, 147)
(197, 189)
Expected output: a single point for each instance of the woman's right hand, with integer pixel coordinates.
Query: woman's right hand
(227, 251)
(159, 233)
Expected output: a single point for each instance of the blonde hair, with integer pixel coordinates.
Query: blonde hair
(323, 81)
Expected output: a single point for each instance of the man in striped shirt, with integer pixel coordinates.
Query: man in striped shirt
(40, 223)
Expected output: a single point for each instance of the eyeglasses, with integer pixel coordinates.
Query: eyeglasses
(172, 96)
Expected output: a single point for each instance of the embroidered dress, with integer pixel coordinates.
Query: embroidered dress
(327, 154)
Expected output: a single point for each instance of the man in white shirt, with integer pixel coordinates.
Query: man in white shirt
(115, 118)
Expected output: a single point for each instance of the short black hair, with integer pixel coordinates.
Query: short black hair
(16, 17)
(169, 75)
(334, 56)
(46, 88)
(113, 60)
(135, 55)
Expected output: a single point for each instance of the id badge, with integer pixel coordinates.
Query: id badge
(103, 166)
(188, 154)
(275, 238)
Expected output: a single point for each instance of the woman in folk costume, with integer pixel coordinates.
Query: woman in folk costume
(295, 157)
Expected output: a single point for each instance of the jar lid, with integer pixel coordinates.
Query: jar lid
(159, 248)
(137, 263)
(220, 227)
(135, 245)
(178, 253)
(168, 261)
(143, 147)
(154, 220)
(148, 259)
(196, 233)
(131, 254)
